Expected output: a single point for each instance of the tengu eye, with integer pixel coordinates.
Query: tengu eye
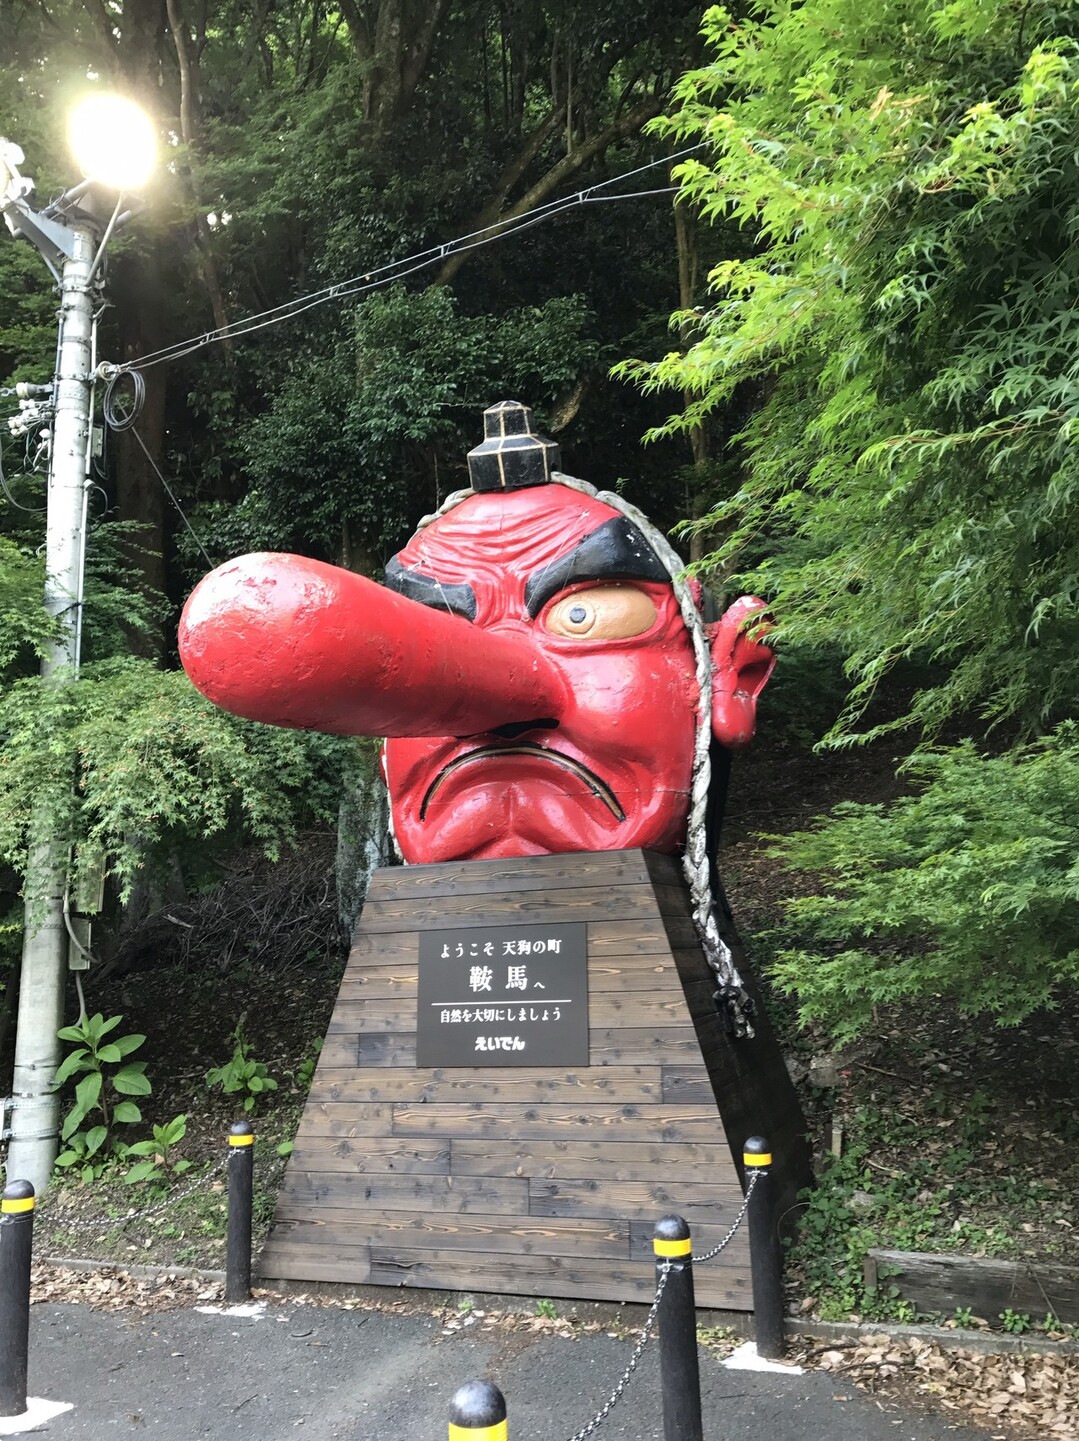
(603, 612)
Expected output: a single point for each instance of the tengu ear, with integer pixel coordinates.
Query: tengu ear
(742, 661)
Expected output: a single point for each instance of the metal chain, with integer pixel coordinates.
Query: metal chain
(710, 1255)
(56, 1218)
(646, 1332)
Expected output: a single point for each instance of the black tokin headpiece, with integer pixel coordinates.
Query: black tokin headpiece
(513, 455)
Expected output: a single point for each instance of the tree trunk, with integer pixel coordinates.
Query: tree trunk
(492, 216)
(393, 41)
(140, 497)
(187, 62)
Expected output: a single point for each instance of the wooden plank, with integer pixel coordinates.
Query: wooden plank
(607, 1046)
(371, 1153)
(588, 903)
(598, 1160)
(634, 1200)
(574, 1279)
(944, 1283)
(523, 1275)
(639, 1046)
(646, 936)
(620, 974)
(485, 1235)
(387, 1018)
(549, 1122)
(290, 1263)
(515, 875)
(375, 1049)
(686, 1086)
(383, 979)
(605, 1009)
(445, 1194)
(368, 1119)
(640, 1084)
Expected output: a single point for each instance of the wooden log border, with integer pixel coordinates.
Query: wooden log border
(942, 1284)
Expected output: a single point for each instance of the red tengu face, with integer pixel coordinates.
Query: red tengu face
(576, 580)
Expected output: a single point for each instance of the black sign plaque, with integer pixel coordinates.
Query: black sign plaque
(503, 996)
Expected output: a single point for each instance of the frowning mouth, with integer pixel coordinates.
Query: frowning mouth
(599, 788)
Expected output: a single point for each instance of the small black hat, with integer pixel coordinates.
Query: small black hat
(513, 455)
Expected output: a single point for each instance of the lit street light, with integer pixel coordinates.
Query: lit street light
(114, 145)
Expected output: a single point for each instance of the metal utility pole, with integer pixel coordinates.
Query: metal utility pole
(69, 245)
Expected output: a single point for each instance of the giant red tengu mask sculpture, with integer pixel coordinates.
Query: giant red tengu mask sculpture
(538, 669)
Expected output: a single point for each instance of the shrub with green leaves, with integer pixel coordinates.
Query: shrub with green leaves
(241, 1074)
(157, 1152)
(968, 890)
(102, 1095)
(174, 769)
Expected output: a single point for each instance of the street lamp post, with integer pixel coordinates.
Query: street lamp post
(72, 242)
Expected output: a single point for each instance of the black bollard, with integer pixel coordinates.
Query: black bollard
(765, 1254)
(16, 1245)
(478, 1413)
(679, 1370)
(238, 1247)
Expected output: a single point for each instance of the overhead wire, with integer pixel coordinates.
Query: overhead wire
(26, 509)
(169, 492)
(119, 416)
(394, 270)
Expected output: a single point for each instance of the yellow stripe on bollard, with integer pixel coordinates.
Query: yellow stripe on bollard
(754, 1158)
(247, 1140)
(498, 1432)
(10, 1208)
(682, 1247)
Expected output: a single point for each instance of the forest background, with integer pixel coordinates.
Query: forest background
(864, 407)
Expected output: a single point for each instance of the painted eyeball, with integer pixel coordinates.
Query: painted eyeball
(603, 612)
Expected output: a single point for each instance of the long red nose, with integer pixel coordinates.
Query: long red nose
(294, 642)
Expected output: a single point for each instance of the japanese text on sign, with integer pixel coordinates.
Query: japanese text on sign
(503, 995)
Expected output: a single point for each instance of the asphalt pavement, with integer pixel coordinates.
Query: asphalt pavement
(322, 1373)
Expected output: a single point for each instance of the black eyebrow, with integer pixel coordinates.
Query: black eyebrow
(429, 590)
(616, 551)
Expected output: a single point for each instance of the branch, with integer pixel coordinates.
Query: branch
(419, 53)
(183, 57)
(628, 125)
(359, 32)
(103, 25)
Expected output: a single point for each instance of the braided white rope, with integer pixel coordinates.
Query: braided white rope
(695, 862)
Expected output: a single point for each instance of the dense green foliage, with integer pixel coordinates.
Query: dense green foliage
(969, 888)
(906, 324)
(910, 171)
(154, 766)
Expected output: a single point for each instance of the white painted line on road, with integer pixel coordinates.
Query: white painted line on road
(745, 1358)
(256, 1310)
(37, 1412)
